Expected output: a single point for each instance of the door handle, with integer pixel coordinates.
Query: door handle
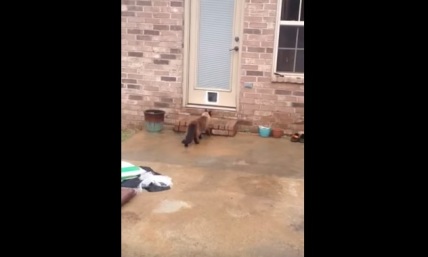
(234, 49)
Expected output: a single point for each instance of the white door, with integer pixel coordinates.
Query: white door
(213, 52)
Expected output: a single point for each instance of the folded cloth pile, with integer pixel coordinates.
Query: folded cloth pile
(142, 177)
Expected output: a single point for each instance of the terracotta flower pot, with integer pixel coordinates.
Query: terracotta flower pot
(277, 133)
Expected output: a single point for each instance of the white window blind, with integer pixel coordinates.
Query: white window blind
(215, 41)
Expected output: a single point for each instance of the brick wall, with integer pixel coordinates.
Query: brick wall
(278, 103)
(152, 38)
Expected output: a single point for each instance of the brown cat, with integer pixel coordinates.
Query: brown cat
(197, 127)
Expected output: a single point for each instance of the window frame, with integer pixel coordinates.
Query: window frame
(295, 77)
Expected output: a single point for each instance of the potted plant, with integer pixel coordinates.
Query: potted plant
(277, 132)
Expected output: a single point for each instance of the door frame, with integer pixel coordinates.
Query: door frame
(236, 76)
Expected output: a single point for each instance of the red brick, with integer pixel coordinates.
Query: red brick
(246, 111)
(160, 27)
(161, 62)
(256, 49)
(282, 92)
(248, 79)
(134, 31)
(135, 54)
(134, 86)
(300, 99)
(250, 106)
(267, 108)
(176, 4)
(266, 44)
(168, 78)
(300, 110)
(144, 3)
(270, 6)
(269, 97)
(170, 33)
(159, 72)
(266, 56)
(264, 79)
(263, 113)
(135, 76)
(160, 3)
(151, 88)
(252, 31)
(265, 102)
(129, 70)
(249, 67)
(251, 95)
(264, 91)
(284, 109)
(247, 100)
(250, 55)
(152, 21)
(260, 37)
(268, 32)
(151, 32)
(135, 97)
(168, 56)
(253, 19)
(176, 16)
(259, 13)
(251, 43)
(128, 25)
(151, 9)
(144, 15)
(135, 8)
(288, 98)
(262, 61)
(157, 93)
(269, 19)
(254, 73)
(161, 15)
(176, 27)
(257, 25)
(161, 105)
(129, 81)
(141, 37)
(128, 14)
(255, 6)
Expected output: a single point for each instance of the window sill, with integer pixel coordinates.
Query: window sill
(288, 79)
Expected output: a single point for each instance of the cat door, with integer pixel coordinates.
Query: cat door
(212, 97)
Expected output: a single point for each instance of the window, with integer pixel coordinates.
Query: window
(289, 59)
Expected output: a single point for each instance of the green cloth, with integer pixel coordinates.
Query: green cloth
(131, 168)
(130, 172)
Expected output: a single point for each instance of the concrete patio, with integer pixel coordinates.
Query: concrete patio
(232, 196)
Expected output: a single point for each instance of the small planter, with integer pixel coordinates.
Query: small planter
(277, 133)
(153, 120)
(264, 131)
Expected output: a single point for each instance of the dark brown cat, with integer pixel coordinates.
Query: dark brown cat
(197, 127)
